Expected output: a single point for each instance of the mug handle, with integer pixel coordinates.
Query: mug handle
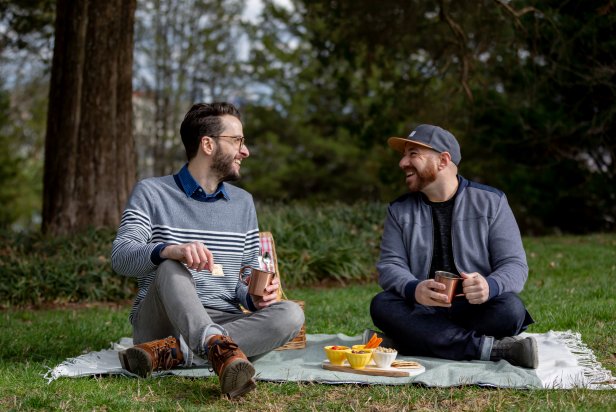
(240, 275)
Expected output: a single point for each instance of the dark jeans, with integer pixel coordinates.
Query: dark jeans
(457, 333)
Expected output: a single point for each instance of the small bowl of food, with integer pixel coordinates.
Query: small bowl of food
(358, 359)
(361, 347)
(383, 357)
(336, 354)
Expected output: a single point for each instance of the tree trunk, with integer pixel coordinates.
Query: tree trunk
(89, 149)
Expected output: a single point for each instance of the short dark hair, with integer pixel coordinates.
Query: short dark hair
(203, 119)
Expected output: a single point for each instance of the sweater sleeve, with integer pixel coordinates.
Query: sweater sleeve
(132, 249)
(393, 266)
(507, 256)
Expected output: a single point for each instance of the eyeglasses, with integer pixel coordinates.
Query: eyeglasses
(238, 139)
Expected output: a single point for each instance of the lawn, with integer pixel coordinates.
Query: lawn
(571, 287)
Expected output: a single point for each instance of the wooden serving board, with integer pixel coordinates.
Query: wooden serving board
(373, 370)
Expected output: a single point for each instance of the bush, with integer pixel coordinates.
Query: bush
(37, 269)
(315, 244)
(326, 242)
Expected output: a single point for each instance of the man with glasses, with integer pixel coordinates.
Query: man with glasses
(185, 238)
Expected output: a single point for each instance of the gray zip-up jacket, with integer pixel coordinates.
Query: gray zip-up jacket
(485, 237)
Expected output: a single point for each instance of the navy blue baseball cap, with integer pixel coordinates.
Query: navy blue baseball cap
(432, 137)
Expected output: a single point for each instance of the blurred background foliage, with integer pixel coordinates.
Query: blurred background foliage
(336, 244)
(528, 87)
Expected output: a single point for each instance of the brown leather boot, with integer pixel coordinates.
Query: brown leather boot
(234, 370)
(147, 357)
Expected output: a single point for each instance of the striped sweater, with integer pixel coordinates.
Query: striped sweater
(159, 212)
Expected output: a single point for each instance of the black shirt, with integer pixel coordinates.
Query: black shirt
(442, 255)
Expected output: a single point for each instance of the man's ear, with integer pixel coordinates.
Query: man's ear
(207, 145)
(444, 160)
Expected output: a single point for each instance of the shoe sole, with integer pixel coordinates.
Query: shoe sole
(236, 378)
(251, 385)
(535, 350)
(137, 361)
(124, 360)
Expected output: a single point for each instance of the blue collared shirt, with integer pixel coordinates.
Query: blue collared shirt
(193, 190)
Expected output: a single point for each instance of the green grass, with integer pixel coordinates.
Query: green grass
(570, 287)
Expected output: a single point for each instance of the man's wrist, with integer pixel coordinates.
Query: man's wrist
(156, 255)
(251, 306)
(493, 288)
(409, 291)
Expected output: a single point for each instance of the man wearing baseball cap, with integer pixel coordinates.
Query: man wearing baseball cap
(448, 223)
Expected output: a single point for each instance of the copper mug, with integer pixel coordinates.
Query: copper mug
(450, 280)
(258, 280)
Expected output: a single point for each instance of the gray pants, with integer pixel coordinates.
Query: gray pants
(171, 308)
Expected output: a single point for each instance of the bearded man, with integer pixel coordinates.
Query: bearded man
(185, 238)
(448, 223)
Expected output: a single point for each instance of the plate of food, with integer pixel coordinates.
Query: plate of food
(369, 359)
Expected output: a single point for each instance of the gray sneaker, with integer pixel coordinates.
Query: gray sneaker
(387, 342)
(516, 351)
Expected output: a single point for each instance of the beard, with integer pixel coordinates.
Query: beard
(423, 177)
(222, 165)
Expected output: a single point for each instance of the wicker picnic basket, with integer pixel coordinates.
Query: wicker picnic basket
(298, 342)
(267, 245)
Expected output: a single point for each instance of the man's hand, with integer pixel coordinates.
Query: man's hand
(271, 297)
(429, 293)
(476, 288)
(195, 255)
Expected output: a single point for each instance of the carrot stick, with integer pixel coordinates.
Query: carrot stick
(373, 342)
(370, 341)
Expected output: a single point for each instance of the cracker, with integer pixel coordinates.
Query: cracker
(217, 270)
(402, 364)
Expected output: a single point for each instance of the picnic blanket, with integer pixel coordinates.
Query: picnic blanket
(565, 362)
